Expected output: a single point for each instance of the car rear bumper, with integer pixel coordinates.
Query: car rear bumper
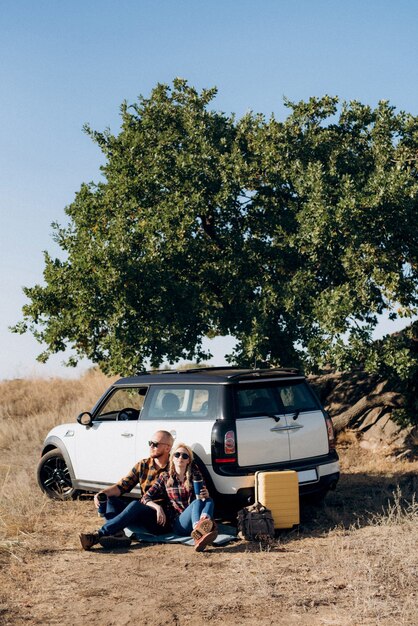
(325, 483)
(315, 476)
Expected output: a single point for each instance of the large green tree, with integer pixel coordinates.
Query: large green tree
(293, 236)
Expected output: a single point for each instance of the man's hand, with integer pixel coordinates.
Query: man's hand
(109, 492)
(96, 500)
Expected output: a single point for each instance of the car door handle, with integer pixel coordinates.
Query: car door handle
(290, 427)
(127, 434)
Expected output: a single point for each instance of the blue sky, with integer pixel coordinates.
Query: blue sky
(67, 63)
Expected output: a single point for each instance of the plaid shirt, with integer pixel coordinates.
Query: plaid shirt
(176, 496)
(144, 473)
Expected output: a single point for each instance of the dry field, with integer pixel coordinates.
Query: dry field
(352, 561)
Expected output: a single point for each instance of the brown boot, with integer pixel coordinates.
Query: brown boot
(202, 527)
(88, 540)
(205, 540)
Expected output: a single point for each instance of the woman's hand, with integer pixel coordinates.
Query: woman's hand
(204, 493)
(161, 517)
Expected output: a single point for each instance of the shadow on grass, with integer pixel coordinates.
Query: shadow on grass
(356, 500)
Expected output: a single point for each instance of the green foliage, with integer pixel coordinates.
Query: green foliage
(291, 235)
(403, 417)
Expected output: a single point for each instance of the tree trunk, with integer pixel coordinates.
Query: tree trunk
(348, 418)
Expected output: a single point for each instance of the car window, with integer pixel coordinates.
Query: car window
(274, 398)
(128, 401)
(257, 401)
(297, 397)
(180, 402)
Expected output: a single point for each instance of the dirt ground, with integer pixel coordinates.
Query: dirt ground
(352, 561)
(349, 562)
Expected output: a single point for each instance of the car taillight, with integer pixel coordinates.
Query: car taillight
(330, 432)
(229, 442)
(224, 443)
(228, 454)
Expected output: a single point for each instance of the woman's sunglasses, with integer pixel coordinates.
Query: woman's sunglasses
(183, 455)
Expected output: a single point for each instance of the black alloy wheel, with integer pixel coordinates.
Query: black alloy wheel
(53, 476)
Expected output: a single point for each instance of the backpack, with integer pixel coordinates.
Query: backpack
(255, 522)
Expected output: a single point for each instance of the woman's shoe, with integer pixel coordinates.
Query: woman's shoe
(205, 540)
(204, 526)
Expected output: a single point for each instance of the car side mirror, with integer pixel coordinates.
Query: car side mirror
(85, 418)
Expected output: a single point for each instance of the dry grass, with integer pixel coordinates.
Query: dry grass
(29, 408)
(352, 561)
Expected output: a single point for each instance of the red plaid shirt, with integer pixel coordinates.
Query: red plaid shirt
(176, 496)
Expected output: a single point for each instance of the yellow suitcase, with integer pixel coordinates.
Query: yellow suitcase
(279, 492)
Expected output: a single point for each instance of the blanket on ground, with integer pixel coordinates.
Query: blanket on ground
(226, 534)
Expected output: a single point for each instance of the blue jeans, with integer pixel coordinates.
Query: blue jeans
(120, 513)
(185, 522)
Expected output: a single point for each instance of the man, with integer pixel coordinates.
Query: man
(121, 512)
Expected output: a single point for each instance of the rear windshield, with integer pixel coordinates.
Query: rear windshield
(274, 398)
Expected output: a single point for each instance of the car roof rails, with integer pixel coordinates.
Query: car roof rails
(274, 371)
(235, 371)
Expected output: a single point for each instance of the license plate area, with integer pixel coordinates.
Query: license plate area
(308, 476)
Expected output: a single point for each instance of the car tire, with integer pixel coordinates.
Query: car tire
(54, 477)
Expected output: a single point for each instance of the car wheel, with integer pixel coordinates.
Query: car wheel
(53, 476)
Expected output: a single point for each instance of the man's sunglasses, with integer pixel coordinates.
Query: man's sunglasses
(155, 444)
(183, 455)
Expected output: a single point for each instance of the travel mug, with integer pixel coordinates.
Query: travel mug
(197, 486)
(102, 499)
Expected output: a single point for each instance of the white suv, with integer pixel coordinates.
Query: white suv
(237, 421)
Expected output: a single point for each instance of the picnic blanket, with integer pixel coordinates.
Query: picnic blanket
(226, 534)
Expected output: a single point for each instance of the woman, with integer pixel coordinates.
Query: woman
(185, 514)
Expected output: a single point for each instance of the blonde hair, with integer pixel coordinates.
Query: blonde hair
(172, 470)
